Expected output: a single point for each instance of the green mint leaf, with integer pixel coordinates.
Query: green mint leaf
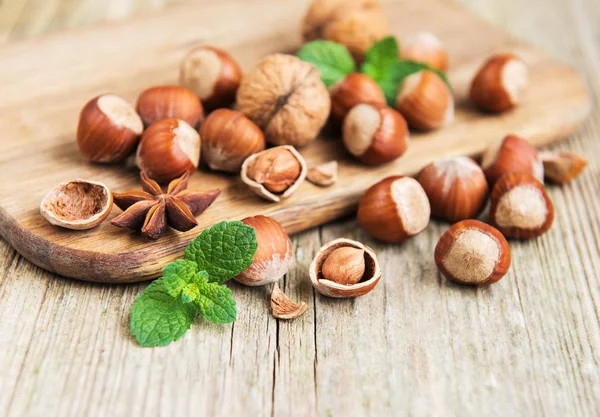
(177, 275)
(216, 303)
(380, 56)
(332, 60)
(224, 250)
(157, 318)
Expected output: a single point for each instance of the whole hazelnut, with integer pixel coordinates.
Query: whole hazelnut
(274, 173)
(456, 188)
(520, 206)
(498, 85)
(212, 74)
(273, 257)
(375, 133)
(169, 102)
(471, 252)
(228, 138)
(511, 154)
(355, 88)
(425, 101)
(168, 149)
(394, 209)
(286, 98)
(108, 129)
(424, 47)
(356, 24)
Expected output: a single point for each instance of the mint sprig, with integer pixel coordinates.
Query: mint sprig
(167, 307)
(332, 60)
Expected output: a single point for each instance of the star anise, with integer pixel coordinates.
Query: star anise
(151, 210)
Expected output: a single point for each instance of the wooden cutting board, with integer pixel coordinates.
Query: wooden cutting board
(46, 81)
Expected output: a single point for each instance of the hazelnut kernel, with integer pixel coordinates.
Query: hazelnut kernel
(345, 265)
(276, 169)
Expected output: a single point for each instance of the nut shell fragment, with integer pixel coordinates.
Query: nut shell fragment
(323, 175)
(283, 307)
(562, 167)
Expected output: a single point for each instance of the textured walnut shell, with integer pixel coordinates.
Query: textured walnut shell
(286, 98)
(77, 205)
(260, 189)
(328, 288)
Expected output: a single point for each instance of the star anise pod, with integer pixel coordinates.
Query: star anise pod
(151, 210)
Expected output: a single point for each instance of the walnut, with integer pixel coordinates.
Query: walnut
(353, 23)
(286, 98)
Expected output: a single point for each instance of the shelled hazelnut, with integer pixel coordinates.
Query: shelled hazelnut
(512, 154)
(425, 101)
(456, 188)
(228, 138)
(169, 102)
(356, 88)
(520, 206)
(275, 173)
(562, 167)
(212, 74)
(168, 149)
(108, 129)
(394, 209)
(424, 47)
(375, 133)
(344, 268)
(471, 252)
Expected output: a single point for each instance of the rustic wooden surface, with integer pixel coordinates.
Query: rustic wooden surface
(49, 79)
(417, 345)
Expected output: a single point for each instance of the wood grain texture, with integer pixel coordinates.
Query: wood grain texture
(49, 79)
(417, 345)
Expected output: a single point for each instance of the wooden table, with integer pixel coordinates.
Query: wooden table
(417, 345)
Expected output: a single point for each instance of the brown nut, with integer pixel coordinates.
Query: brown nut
(168, 149)
(273, 257)
(425, 101)
(356, 24)
(344, 265)
(286, 98)
(498, 85)
(212, 74)
(355, 88)
(471, 252)
(394, 209)
(424, 47)
(375, 133)
(512, 154)
(323, 175)
(274, 174)
(520, 206)
(77, 205)
(333, 288)
(169, 102)
(456, 188)
(228, 138)
(108, 129)
(562, 167)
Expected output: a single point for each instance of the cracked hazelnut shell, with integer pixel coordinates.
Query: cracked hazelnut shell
(286, 98)
(562, 167)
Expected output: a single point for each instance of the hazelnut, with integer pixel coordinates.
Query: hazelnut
(520, 206)
(456, 188)
(425, 101)
(228, 138)
(108, 129)
(159, 103)
(168, 149)
(394, 209)
(471, 252)
(273, 257)
(375, 133)
(498, 85)
(356, 24)
(323, 175)
(275, 173)
(212, 74)
(424, 47)
(286, 98)
(562, 167)
(512, 154)
(355, 88)
(333, 277)
(77, 205)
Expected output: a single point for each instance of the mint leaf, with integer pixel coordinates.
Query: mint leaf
(177, 275)
(332, 59)
(380, 56)
(216, 303)
(224, 250)
(157, 318)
